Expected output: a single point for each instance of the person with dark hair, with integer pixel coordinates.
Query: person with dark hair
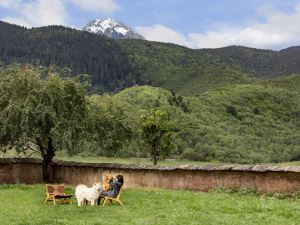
(115, 187)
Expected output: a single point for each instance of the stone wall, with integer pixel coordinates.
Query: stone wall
(199, 178)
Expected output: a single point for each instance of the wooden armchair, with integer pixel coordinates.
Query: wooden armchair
(117, 199)
(57, 192)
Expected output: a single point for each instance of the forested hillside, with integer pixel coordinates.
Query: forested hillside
(243, 123)
(183, 70)
(82, 52)
(116, 64)
(189, 72)
(261, 63)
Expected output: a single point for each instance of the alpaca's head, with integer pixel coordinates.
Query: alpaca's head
(97, 187)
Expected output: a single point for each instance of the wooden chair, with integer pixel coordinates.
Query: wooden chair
(57, 192)
(111, 199)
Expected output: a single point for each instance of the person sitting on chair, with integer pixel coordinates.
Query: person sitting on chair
(115, 185)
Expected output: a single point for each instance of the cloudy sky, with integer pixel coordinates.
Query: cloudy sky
(269, 24)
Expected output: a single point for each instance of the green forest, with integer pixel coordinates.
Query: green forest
(242, 123)
(64, 89)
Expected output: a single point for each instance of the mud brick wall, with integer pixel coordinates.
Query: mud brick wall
(198, 178)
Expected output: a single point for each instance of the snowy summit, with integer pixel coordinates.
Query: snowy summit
(111, 28)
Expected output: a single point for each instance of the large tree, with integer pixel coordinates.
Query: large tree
(42, 115)
(156, 132)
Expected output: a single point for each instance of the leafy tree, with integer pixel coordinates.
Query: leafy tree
(40, 115)
(108, 130)
(156, 131)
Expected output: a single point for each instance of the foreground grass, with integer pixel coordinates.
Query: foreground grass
(21, 204)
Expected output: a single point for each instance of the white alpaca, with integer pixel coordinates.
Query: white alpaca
(91, 194)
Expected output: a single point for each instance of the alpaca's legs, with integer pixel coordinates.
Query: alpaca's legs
(80, 202)
(92, 202)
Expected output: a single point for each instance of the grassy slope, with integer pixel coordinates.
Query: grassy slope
(22, 204)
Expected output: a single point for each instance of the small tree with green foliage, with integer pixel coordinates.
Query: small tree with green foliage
(108, 130)
(40, 115)
(156, 132)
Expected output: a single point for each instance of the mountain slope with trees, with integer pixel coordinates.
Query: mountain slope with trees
(82, 52)
(261, 63)
(241, 123)
(113, 65)
(244, 123)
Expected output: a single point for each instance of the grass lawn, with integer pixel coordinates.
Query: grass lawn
(22, 204)
(139, 161)
(144, 161)
(100, 159)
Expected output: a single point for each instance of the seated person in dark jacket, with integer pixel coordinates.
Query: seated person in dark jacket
(115, 187)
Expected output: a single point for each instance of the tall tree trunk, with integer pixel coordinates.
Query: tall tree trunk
(47, 178)
(47, 154)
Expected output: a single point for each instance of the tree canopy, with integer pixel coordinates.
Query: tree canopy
(46, 114)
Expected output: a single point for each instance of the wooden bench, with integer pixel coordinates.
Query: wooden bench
(57, 192)
(117, 199)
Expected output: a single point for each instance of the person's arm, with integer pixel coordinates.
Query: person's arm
(110, 181)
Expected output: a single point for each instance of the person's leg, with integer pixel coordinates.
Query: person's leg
(103, 193)
(110, 194)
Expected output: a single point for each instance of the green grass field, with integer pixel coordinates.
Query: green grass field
(144, 161)
(100, 159)
(138, 161)
(22, 204)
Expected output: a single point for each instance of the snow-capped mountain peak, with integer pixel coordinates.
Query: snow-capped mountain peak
(111, 28)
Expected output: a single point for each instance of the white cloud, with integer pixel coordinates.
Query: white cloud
(9, 3)
(279, 31)
(18, 21)
(34, 13)
(97, 5)
(161, 33)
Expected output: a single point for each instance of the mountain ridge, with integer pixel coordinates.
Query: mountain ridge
(115, 64)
